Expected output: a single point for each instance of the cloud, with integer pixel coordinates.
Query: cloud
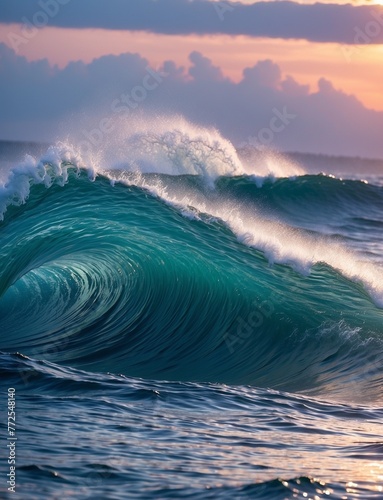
(202, 69)
(265, 107)
(317, 22)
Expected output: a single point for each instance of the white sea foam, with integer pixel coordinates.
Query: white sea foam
(171, 145)
(51, 168)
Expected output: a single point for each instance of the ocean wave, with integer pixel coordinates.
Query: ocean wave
(169, 277)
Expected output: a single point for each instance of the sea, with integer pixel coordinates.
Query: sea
(180, 318)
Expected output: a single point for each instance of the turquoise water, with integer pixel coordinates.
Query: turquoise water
(181, 334)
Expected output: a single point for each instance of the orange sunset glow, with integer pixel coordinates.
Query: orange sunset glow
(354, 69)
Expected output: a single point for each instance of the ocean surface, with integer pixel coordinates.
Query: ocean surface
(182, 320)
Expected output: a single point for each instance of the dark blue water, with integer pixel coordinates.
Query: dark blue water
(190, 335)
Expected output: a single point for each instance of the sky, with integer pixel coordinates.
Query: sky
(295, 76)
